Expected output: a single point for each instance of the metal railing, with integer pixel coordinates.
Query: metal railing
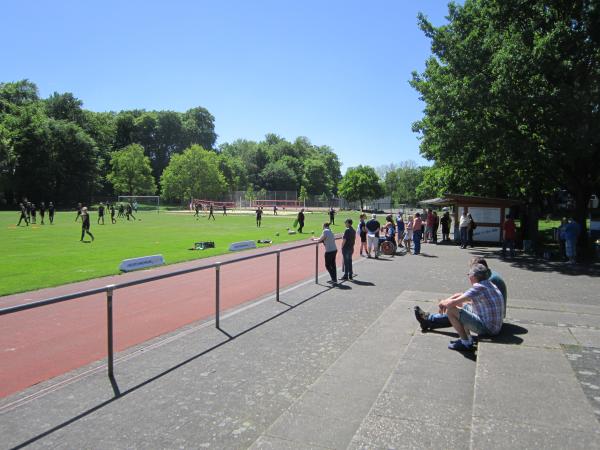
(111, 288)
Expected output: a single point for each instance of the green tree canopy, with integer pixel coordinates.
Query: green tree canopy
(131, 173)
(512, 96)
(193, 174)
(359, 184)
(401, 182)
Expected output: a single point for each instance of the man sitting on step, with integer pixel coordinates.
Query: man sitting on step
(434, 321)
(479, 309)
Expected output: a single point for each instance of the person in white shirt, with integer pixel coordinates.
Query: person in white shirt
(328, 240)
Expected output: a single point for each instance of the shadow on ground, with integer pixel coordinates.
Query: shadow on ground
(118, 394)
(536, 264)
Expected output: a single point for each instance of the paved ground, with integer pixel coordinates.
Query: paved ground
(42, 343)
(345, 368)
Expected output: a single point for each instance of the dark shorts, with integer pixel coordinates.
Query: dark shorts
(363, 237)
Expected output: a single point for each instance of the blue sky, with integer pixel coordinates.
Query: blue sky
(334, 71)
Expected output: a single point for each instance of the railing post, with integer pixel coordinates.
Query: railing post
(317, 263)
(109, 329)
(217, 294)
(278, 264)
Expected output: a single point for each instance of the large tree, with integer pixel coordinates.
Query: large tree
(512, 96)
(359, 184)
(131, 173)
(193, 174)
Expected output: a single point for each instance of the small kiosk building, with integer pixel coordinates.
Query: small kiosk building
(488, 213)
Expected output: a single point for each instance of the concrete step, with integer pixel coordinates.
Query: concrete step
(328, 414)
(528, 396)
(429, 393)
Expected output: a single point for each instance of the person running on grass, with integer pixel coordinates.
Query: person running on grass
(112, 214)
(211, 212)
(101, 213)
(85, 224)
(51, 213)
(42, 211)
(23, 215)
(33, 212)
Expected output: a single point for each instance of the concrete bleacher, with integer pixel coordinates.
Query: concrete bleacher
(340, 368)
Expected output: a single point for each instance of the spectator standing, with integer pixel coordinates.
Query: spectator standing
(571, 233)
(509, 233)
(417, 233)
(373, 227)
(400, 229)
(445, 222)
(561, 238)
(362, 232)
(409, 233)
(328, 240)
(332, 216)
(429, 221)
(348, 249)
(436, 226)
(464, 228)
(470, 230)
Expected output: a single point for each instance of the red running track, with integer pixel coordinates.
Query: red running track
(45, 342)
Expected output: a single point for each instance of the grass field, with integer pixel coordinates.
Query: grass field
(50, 255)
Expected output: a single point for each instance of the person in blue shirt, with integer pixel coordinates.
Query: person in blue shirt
(438, 320)
(570, 234)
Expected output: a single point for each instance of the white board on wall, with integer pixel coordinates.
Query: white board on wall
(486, 215)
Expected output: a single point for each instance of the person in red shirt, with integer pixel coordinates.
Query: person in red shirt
(509, 233)
(417, 233)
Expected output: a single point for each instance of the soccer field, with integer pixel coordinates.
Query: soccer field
(50, 255)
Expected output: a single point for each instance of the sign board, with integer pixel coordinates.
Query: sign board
(127, 265)
(486, 215)
(487, 234)
(243, 245)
